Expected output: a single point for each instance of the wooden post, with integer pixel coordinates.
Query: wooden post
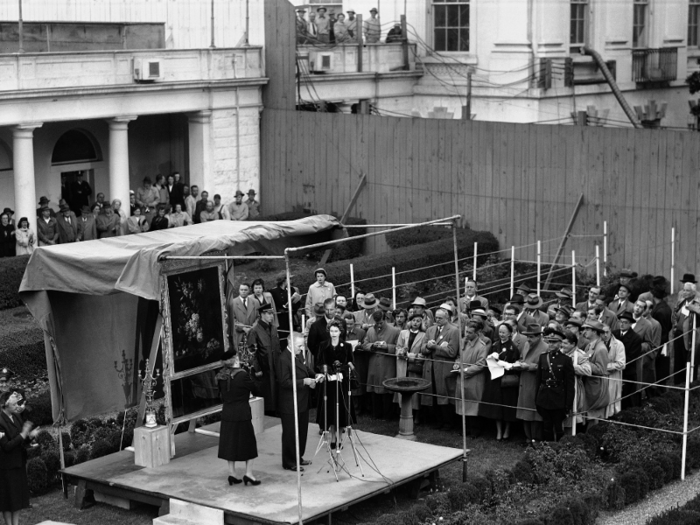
(21, 29)
(352, 280)
(597, 265)
(605, 248)
(686, 402)
(673, 257)
(476, 249)
(539, 265)
(573, 277)
(346, 214)
(512, 271)
(467, 110)
(360, 42)
(563, 241)
(393, 287)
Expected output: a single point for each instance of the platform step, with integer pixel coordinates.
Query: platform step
(185, 513)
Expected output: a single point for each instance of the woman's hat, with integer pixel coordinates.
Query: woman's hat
(320, 270)
(448, 307)
(479, 311)
(9, 211)
(43, 200)
(370, 301)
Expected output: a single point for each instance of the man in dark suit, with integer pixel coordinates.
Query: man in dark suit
(305, 382)
(264, 343)
(67, 224)
(622, 303)
(633, 349)
(593, 294)
(318, 332)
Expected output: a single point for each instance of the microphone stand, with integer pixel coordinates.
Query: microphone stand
(325, 442)
(348, 428)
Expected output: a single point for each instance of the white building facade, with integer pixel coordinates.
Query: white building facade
(118, 115)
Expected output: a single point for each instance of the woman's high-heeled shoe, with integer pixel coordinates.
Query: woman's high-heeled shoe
(232, 480)
(253, 482)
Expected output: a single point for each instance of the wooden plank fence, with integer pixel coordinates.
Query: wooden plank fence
(519, 181)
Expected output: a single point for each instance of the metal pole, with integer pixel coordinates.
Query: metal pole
(393, 287)
(476, 250)
(539, 265)
(673, 257)
(247, 22)
(352, 280)
(21, 29)
(597, 265)
(686, 402)
(573, 277)
(512, 271)
(290, 340)
(459, 351)
(692, 350)
(605, 248)
(212, 24)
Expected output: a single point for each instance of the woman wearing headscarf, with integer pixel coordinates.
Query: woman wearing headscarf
(237, 437)
(500, 397)
(15, 436)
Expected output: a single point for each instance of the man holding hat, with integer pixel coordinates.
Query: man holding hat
(237, 210)
(318, 291)
(253, 205)
(67, 225)
(323, 26)
(633, 349)
(528, 365)
(372, 28)
(46, 227)
(264, 344)
(555, 382)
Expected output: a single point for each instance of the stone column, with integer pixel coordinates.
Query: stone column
(119, 160)
(23, 165)
(200, 151)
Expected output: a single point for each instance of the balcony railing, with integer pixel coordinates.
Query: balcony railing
(655, 65)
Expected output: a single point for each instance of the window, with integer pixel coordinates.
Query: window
(579, 25)
(693, 22)
(451, 25)
(640, 23)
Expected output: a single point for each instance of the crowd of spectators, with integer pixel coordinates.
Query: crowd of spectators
(322, 27)
(558, 361)
(167, 203)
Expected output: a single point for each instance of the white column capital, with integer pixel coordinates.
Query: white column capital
(121, 122)
(25, 130)
(200, 117)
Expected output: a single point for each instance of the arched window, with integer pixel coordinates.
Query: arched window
(75, 146)
(5, 157)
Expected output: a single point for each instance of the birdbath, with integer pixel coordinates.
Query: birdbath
(406, 386)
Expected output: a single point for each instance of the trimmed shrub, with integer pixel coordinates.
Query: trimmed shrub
(438, 503)
(676, 517)
(560, 516)
(37, 476)
(52, 461)
(82, 454)
(99, 449)
(66, 440)
(579, 511)
(80, 433)
(46, 441)
(41, 412)
(484, 487)
(421, 512)
(28, 360)
(69, 458)
(458, 498)
(654, 473)
(615, 496)
(12, 271)
(425, 234)
(522, 473)
(644, 484)
(629, 482)
(530, 521)
(666, 465)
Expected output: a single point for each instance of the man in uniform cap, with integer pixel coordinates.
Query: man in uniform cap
(555, 382)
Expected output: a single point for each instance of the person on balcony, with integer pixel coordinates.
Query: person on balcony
(395, 34)
(372, 28)
(340, 28)
(352, 26)
(323, 25)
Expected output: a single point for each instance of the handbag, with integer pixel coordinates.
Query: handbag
(510, 381)
(416, 365)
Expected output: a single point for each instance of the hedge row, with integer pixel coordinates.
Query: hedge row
(11, 272)
(488, 244)
(568, 482)
(688, 514)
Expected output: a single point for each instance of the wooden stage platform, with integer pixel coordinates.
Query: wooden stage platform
(196, 475)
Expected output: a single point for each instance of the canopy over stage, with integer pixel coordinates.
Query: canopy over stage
(197, 476)
(99, 302)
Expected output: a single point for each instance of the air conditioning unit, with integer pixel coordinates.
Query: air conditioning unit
(148, 69)
(321, 62)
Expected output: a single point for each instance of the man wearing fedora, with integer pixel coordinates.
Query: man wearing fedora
(420, 307)
(44, 203)
(253, 205)
(629, 279)
(574, 325)
(563, 298)
(555, 382)
(633, 350)
(381, 340)
(236, 210)
(372, 29)
(363, 317)
(528, 366)
(323, 25)
(302, 31)
(651, 340)
(680, 315)
(319, 291)
(67, 225)
(533, 303)
(385, 306)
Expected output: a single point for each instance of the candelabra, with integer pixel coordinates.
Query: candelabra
(149, 381)
(124, 374)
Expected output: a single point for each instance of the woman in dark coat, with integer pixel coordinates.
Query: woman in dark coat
(237, 438)
(500, 399)
(337, 356)
(15, 436)
(7, 236)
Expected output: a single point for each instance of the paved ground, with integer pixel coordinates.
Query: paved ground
(672, 495)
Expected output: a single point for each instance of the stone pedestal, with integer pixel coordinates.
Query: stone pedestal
(151, 446)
